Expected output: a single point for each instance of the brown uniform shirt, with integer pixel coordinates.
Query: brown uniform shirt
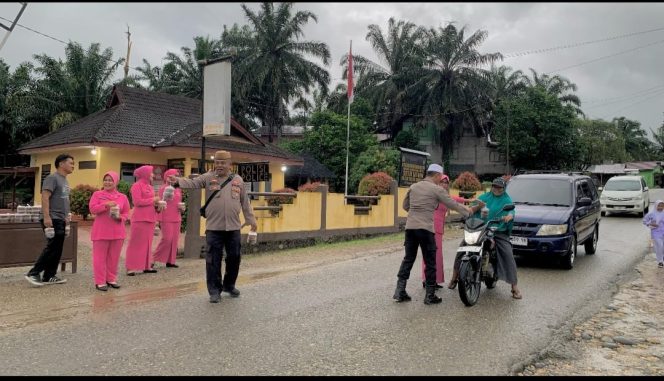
(422, 199)
(223, 212)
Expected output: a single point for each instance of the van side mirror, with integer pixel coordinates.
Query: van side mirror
(584, 201)
(508, 207)
(645, 189)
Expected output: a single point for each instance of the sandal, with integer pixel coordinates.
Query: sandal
(453, 284)
(517, 294)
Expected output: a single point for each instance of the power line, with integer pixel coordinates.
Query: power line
(652, 91)
(591, 100)
(605, 57)
(574, 45)
(659, 93)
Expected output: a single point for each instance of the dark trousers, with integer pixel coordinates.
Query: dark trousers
(50, 257)
(217, 241)
(425, 240)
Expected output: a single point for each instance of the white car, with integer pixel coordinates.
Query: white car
(625, 194)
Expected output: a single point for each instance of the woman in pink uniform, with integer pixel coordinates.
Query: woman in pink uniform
(143, 218)
(169, 221)
(111, 210)
(439, 228)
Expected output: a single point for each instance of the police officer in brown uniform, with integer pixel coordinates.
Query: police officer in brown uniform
(421, 200)
(223, 222)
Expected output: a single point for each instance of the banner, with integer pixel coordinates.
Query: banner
(217, 99)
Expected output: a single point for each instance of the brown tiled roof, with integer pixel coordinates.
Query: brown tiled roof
(146, 118)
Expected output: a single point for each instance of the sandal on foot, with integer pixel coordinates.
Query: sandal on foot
(516, 294)
(453, 284)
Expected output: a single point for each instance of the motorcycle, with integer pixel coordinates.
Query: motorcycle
(478, 261)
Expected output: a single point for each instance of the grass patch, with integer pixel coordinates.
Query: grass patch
(373, 241)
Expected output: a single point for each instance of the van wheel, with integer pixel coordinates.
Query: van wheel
(591, 243)
(645, 208)
(567, 261)
(603, 214)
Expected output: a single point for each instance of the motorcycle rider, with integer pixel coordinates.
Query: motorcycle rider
(505, 263)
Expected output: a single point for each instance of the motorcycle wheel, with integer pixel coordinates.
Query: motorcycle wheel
(469, 289)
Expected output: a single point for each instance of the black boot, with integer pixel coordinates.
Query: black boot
(431, 297)
(400, 293)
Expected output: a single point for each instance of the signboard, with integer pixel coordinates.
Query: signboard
(254, 172)
(412, 167)
(217, 99)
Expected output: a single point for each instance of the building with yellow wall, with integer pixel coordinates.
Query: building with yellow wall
(141, 127)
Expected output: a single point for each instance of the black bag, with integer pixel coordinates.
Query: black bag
(230, 177)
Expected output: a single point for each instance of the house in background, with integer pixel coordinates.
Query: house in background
(311, 171)
(288, 133)
(140, 127)
(650, 170)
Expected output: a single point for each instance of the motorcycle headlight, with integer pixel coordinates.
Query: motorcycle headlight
(471, 238)
(552, 229)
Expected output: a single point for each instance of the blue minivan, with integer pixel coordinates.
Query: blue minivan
(554, 214)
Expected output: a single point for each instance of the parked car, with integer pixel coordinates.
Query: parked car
(625, 194)
(554, 214)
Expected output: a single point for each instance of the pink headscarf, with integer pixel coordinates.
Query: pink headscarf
(114, 194)
(445, 177)
(171, 172)
(142, 173)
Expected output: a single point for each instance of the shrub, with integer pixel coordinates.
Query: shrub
(80, 199)
(274, 201)
(467, 182)
(309, 187)
(124, 187)
(375, 184)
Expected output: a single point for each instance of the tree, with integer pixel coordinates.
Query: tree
(637, 144)
(374, 159)
(389, 85)
(559, 86)
(272, 63)
(326, 142)
(541, 131)
(600, 142)
(455, 84)
(406, 139)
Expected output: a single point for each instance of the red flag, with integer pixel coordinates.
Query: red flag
(350, 74)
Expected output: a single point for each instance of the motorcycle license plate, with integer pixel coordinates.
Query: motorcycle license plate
(475, 249)
(519, 241)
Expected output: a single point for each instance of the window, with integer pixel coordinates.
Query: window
(45, 171)
(127, 171)
(583, 190)
(92, 164)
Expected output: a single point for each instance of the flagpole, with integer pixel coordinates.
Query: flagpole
(348, 132)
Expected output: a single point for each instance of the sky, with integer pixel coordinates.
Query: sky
(621, 75)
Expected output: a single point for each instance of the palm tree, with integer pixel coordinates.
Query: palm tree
(388, 85)
(454, 81)
(502, 83)
(271, 66)
(559, 86)
(68, 90)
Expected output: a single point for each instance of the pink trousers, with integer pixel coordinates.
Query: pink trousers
(168, 246)
(105, 260)
(440, 274)
(139, 249)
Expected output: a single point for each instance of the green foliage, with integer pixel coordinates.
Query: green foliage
(637, 144)
(185, 197)
(124, 188)
(600, 142)
(374, 159)
(542, 133)
(467, 182)
(406, 139)
(309, 187)
(80, 199)
(375, 184)
(326, 141)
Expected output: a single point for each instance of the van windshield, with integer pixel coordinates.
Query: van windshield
(553, 192)
(623, 185)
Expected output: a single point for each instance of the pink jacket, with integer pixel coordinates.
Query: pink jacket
(171, 213)
(104, 227)
(142, 195)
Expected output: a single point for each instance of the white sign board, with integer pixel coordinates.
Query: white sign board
(217, 99)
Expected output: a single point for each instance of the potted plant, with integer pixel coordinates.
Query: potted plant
(467, 184)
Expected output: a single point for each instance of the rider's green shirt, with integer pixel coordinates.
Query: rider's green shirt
(495, 205)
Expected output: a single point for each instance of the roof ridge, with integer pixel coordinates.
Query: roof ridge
(115, 111)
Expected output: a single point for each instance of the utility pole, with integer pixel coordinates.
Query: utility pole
(10, 28)
(509, 172)
(126, 67)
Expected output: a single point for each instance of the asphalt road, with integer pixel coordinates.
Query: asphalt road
(337, 319)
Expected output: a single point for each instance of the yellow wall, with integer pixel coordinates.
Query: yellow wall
(401, 196)
(110, 159)
(341, 216)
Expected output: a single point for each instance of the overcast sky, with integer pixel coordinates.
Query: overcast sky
(629, 84)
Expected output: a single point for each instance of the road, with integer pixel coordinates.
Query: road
(335, 319)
